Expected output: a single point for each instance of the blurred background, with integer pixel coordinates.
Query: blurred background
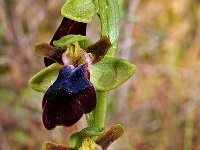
(159, 105)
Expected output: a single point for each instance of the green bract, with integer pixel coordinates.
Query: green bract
(65, 41)
(79, 10)
(108, 11)
(106, 75)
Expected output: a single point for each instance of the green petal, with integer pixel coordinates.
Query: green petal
(65, 41)
(45, 78)
(79, 10)
(111, 72)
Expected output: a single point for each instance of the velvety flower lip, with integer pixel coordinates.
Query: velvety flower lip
(70, 96)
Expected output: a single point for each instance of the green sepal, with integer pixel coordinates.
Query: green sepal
(78, 10)
(65, 41)
(76, 139)
(45, 78)
(106, 75)
(110, 73)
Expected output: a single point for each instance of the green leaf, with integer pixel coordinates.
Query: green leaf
(79, 10)
(65, 41)
(45, 78)
(108, 11)
(113, 23)
(110, 73)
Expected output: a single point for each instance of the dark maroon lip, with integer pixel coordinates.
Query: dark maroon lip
(70, 96)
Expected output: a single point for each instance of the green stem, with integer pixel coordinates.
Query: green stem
(108, 11)
(100, 110)
(90, 119)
